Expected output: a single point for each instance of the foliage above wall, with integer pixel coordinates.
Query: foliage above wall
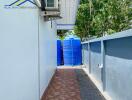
(63, 33)
(101, 17)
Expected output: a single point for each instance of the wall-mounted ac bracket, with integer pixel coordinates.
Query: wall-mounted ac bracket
(50, 15)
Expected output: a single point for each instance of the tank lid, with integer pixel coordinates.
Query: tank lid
(58, 39)
(72, 37)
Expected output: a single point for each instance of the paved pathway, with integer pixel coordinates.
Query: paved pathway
(88, 90)
(71, 84)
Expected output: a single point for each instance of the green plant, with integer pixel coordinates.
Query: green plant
(100, 17)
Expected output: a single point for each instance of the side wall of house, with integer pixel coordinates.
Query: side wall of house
(27, 52)
(48, 56)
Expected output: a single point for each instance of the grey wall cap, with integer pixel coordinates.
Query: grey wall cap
(122, 34)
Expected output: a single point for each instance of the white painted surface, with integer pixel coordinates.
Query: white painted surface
(48, 59)
(68, 14)
(21, 65)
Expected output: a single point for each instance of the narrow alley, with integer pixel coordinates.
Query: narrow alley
(71, 84)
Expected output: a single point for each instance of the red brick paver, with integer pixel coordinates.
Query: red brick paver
(63, 86)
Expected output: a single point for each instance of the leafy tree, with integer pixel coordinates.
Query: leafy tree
(100, 17)
(61, 34)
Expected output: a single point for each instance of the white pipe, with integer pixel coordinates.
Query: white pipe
(38, 3)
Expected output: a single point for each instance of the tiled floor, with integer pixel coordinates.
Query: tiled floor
(87, 88)
(65, 85)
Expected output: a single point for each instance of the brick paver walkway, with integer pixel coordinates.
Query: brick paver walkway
(63, 86)
(71, 84)
(87, 88)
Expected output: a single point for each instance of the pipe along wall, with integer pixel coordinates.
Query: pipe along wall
(109, 60)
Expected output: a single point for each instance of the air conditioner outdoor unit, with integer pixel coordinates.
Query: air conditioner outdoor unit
(50, 9)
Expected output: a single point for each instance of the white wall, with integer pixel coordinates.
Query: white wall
(68, 14)
(21, 61)
(48, 59)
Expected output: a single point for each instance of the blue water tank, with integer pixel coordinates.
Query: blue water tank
(72, 51)
(59, 53)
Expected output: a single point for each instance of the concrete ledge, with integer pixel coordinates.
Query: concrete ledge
(122, 34)
(105, 94)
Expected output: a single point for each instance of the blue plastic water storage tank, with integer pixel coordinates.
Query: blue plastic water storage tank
(59, 53)
(72, 51)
